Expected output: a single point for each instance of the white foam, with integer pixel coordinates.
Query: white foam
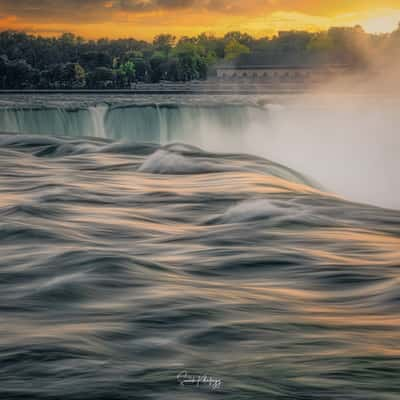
(168, 162)
(254, 209)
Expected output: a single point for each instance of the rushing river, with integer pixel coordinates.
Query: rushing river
(348, 143)
(126, 263)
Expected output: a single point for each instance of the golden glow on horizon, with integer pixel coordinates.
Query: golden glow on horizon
(385, 22)
(255, 18)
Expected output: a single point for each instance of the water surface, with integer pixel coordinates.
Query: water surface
(124, 264)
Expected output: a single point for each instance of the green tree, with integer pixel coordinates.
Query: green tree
(3, 71)
(320, 42)
(191, 61)
(127, 72)
(350, 45)
(234, 49)
(158, 65)
(101, 77)
(320, 47)
(28, 61)
(93, 59)
(242, 38)
(164, 43)
(73, 75)
(20, 74)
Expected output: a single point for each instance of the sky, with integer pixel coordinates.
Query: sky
(144, 19)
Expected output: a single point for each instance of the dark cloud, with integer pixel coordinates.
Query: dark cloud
(140, 5)
(80, 10)
(90, 11)
(94, 11)
(234, 6)
(50, 10)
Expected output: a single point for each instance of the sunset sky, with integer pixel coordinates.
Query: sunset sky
(145, 18)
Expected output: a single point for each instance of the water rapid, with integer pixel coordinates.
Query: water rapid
(350, 145)
(127, 266)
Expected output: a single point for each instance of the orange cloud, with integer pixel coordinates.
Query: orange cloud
(146, 18)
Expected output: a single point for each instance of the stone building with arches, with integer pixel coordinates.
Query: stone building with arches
(279, 73)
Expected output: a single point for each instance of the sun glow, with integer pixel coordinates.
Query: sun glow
(385, 22)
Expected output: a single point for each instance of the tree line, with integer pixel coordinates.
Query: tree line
(69, 61)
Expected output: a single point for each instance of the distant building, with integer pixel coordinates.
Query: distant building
(279, 73)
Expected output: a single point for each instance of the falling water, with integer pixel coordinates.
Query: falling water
(162, 118)
(98, 114)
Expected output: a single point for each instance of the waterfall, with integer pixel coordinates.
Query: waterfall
(199, 125)
(47, 121)
(163, 126)
(98, 114)
(307, 137)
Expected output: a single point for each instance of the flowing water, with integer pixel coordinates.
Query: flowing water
(126, 261)
(348, 143)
